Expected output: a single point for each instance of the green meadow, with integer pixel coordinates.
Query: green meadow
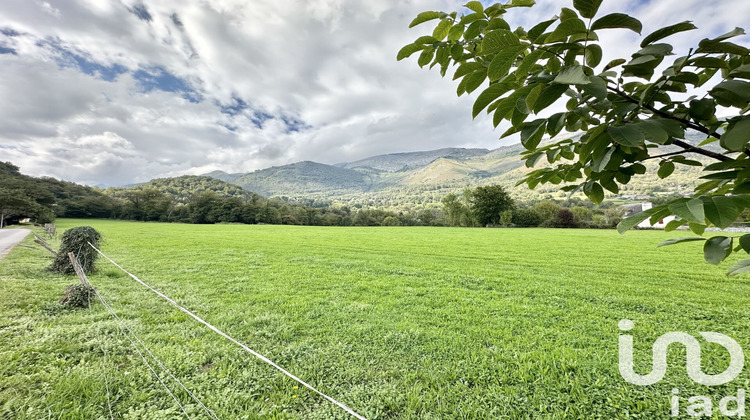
(396, 323)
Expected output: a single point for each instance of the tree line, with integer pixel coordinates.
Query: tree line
(205, 200)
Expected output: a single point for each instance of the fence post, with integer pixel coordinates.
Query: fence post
(79, 271)
(44, 243)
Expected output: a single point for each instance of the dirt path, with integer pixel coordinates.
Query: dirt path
(9, 238)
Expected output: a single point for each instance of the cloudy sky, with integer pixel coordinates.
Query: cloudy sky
(121, 91)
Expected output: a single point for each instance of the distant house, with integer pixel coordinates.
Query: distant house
(631, 209)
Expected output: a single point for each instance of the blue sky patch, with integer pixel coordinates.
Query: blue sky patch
(160, 79)
(294, 125)
(236, 107)
(67, 58)
(9, 32)
(142, 13)
(6, 50)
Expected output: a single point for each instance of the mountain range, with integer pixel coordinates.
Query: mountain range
(421, 179)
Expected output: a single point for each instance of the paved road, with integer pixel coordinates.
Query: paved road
(10, 237)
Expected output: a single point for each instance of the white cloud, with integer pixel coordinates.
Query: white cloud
(329, 65)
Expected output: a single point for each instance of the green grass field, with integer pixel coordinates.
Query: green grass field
(408, 323)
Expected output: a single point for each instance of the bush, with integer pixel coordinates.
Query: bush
(565, 219)
(391, 221)
(78, 295)
(526, 218)
(76, 240)
(547, 209)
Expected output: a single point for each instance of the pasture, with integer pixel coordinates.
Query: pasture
(407, 323)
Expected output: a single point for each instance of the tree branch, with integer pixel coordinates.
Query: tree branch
(687, 146)
(667, 154)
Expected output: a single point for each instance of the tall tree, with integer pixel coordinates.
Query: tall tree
(627, 114)
(14, 203)
(488, 203)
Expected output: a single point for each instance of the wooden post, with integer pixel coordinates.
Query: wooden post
(78, 269)
(44, 243)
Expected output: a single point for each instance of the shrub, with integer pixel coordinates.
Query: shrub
(565, 219)
(76, 240)
(526, 218)
(78, 295)
(547, 209)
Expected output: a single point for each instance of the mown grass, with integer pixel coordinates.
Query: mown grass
(408, 323)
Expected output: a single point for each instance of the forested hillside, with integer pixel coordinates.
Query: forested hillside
(182, 189)
(45, 198)
(419, 180)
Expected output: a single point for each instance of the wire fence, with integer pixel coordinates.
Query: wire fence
(133, 338)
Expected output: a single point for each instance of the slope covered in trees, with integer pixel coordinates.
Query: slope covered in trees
(42, 199)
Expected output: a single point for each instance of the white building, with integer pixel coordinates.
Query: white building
(631, 209)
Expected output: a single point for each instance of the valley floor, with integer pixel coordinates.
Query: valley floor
(409, 323)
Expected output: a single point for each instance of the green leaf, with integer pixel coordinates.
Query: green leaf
(601, 160)
(593, 55)
(474, 29)
(680, 240)
(475, 6)
(572, 75)
(617, 20)
(427, 40)
(731, 34)
(702, 109)
(633, 221)
(717, 249)
(593, 191)
(532, 97)
(456, 33)
(737, 135)
(652, 131)
(424, 17)
(555, 124)
(522, 3)
(532, 133)
(539, 29)
(493, 92)
(686, 77)
(642, 66)
(567, 14)
(674, 224)
(474, 80)
(697, 228)
(614, 63)
(672, 127)
(721, 211)
(549, 96)
(667, 31)
(626, 135)
(597, 88)
(408, 50)
(426, 56)
(665, 169)
(732, 93)
(467, 68)
(528, 62)
(587, 8)
(496, 40)
(745, 243)
(565, 29)
(442, 29)
(739, 268)
(689, 209)
(503, 61)
(657, 50)
(713, 47)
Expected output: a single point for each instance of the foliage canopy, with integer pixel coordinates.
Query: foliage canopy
(628, 110)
